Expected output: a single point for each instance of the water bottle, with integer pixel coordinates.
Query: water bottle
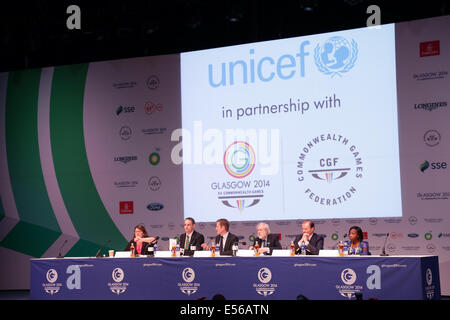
(132, 250)
(341, 249)
(235, 249)
(218, 248)
(303, 249)
(346, 249)
(177, 253)
(155, 248)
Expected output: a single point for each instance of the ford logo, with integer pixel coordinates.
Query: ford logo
(155, 206)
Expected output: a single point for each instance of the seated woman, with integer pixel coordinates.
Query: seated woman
(141, 241)
(356, 244)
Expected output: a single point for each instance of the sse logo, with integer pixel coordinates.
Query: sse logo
(433, 165)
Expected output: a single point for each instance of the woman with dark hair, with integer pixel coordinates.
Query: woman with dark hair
(357, 245)
(141, 241)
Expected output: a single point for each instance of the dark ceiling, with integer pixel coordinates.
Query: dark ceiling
(34, 33)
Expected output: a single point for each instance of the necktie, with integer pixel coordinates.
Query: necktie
(186, 242)
(221, 243)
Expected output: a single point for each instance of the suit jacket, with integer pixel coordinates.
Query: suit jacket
(227, 249)
(314, 246)
(196, 240)
(272, 242)
(144, 250)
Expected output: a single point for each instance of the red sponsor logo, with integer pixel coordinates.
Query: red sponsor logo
(151, 107)
(430, 48)
(126, 207)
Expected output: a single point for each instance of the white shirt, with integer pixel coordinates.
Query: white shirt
(225, 236)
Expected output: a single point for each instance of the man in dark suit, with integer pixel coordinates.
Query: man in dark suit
(224, 238)
(265, 240)
(191, 240)
(313, 242)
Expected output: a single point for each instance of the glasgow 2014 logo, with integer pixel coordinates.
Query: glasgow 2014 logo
(239, 159)
(336, 56)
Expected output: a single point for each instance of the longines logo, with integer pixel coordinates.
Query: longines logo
(329, 162)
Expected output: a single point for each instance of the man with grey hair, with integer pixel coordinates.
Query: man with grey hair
(265, 240)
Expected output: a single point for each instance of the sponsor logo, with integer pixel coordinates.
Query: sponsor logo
(317, 165)
(118, 286)
(432, 138)
(122, 109)
(125, 133)
(433, 195)
(428, 236)
(154, 158)
(124, 84)
(429, 48)
(153, 82)
(265, 287)
(154, 183)
(188, 286)
(125, 159)
(429, 288)
(433, 165)
(155, 206)
(430, 106)
(52, 287)
(126, 207)
(151, 131)
(336, 56)
(433, 75)
(348, 288)
(239, 161)
(126, 184)
(150, 107)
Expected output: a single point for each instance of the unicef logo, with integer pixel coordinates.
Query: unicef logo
(188, 274)
(264, 275)
(52, 275)
(239, 159)
(348, 276)
(118, 275)
(336, 56)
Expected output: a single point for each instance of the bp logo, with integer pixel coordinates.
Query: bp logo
(188, 286)
(51, 287)
(329, 168)
(239, 161)
(118, 286)
(336, 56)
(265, 287)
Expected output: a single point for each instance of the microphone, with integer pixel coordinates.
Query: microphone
(60, 248)
(156, 240)
(383, 250)
(98, 252)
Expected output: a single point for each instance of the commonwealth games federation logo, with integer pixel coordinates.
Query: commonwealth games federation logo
(239, 159)
(336, 56)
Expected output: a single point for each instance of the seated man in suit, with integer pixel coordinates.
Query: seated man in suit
(313, 242)
(191, 240)
(224, 238)
(266, 240)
